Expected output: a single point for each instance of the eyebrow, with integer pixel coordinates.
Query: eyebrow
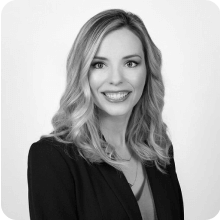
(126, 57)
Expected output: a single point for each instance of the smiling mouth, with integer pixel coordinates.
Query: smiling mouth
(116, 96)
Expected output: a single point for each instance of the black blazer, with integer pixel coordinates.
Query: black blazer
(61, 188)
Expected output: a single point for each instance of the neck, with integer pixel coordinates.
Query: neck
(114, 128)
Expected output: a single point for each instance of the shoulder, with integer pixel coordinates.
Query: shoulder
(50, 149)
(48, 162)
(49, 168)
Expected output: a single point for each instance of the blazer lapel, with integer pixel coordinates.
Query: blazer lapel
(120, 187)
(160, 186)
(162, 193)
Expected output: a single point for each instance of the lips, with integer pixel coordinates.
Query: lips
(116, 96)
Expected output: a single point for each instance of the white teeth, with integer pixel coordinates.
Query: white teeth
(115, 96)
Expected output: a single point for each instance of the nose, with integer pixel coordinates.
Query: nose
(115, 76)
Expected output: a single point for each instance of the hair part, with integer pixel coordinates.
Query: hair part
(76, 122)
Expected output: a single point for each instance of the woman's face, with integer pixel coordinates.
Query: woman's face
(118, 73)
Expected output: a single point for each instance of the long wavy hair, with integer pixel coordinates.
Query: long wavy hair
(76, 123)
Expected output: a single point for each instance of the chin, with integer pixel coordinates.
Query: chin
(117, 112)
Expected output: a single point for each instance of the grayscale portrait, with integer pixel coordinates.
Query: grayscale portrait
(110, 110)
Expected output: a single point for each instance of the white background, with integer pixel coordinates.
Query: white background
(36, 38)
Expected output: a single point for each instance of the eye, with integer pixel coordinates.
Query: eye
(98, 65)
(131, 64)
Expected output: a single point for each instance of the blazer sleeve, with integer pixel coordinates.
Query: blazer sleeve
(175, 181)
(50, 184)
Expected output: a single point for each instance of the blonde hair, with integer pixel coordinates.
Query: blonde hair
(77, 123)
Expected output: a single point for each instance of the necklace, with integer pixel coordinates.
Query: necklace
(106, 142)
(126, 160)
(135, 177)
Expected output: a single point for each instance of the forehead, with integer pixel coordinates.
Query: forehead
(120, 42)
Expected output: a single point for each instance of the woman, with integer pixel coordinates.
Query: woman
(109, 156)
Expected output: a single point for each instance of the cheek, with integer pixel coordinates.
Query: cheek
(94, 81)
(139, 80)
(142, 80)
